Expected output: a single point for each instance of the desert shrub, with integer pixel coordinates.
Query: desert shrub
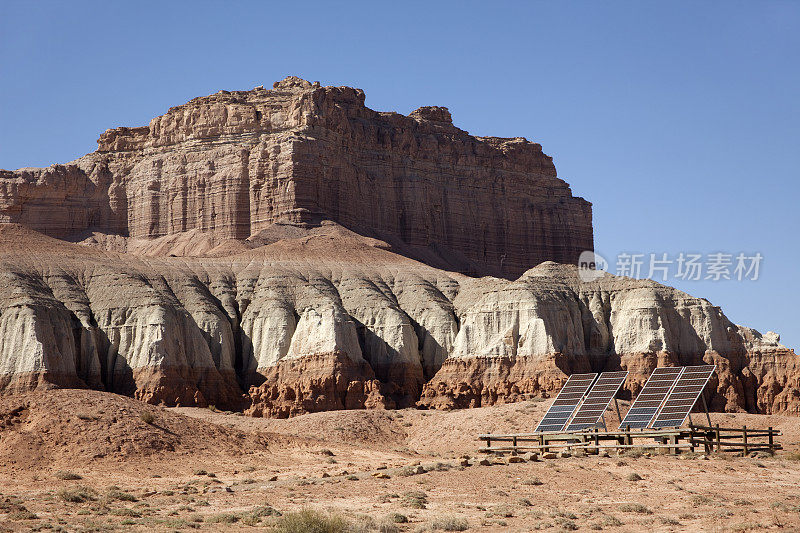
(612, 521)
(397, 518)
(76, 494)
(351, 477)
(742, 502)
(23, 514)
(415, 499)
(533, 481)
(310, 521)
(500, 511)
(635, 508)
(633, 476)
(667, 521)
(407, 471)
(116, 494)
(67, 476)
(450, 523)
(147, 417)
(200, 472)
(125, 512)
(701, 500)
(566, 524)
(224, 518)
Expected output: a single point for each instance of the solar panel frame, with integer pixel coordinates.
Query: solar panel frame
(683, 396)
(597, 400)
(568, 399)
(648, 403)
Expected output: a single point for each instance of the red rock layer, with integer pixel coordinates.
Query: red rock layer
(482, 381)
(320, 382)
(762, 382)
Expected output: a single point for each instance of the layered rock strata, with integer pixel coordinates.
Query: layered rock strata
(233, 164)
(333, 320)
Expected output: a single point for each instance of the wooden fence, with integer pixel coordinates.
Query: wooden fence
(709, 438)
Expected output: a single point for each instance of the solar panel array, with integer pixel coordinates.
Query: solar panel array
(597, 401)
(683, 396)
(655, 390)
(565, 403)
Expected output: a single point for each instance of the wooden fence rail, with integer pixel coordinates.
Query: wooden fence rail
(710, 438)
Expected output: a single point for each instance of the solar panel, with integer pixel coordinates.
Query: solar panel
(655, 390)
(683, 396)
(565, 403)
(596, 402)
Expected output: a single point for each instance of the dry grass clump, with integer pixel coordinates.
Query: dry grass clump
(633, 476)
(450, 523)
(114, 493)
(76, 494)
(535, 481)
(415, 499)
(147, 417)
(67, 476)
(23, 515)
(310, 521)
(635, 508)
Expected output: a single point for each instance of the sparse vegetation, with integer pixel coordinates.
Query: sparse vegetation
(116, 494)
(635, 508)
(633, 476)
(566, 524)
(67, 476)
(147, 417)
(310, 521)
(76, 494)
(612, 521)
(533, 481)
(450, 523)
(23, 514)
(397, 518)
(415, 499)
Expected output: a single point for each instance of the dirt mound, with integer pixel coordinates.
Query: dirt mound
(61, 428)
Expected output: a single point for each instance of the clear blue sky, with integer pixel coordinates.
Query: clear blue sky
(679, 121)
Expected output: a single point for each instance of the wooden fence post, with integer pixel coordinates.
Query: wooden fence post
(771, 442)
(744, 439)
(719, 446)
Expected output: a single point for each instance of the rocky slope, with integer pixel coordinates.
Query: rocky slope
(233, 164)
(277, 252)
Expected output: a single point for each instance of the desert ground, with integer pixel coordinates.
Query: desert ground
(80, 460)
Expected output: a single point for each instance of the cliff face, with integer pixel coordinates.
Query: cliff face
(233, 164)
(291, 250)
(333, 320)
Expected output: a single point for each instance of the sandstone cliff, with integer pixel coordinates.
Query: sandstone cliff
(233, 164)
(291, 250)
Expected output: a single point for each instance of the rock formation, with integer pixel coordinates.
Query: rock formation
(234, 164)
(277, 252)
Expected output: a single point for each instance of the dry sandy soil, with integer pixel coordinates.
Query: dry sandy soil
(189, 468)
